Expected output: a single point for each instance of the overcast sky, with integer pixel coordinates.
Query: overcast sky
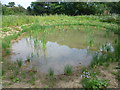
(24, 3)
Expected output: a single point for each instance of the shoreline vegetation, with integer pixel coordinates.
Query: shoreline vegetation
(102, 73)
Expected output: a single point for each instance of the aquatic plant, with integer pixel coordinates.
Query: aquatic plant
(101, 59)
(68, 70)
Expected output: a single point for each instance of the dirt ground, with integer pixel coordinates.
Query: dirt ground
(72, 81)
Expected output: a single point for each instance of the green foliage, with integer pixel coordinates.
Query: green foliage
(19, 63)
(6, 42)
(78, 8)
(16, 80)
(5, 29)
(11, 9)
(47, 8)
(94, 83)
(117, 49)
(11, 4)
(32, 80)
(51, 74)
(89, 80)
(102, 59)
(68, 70)
(111, 19)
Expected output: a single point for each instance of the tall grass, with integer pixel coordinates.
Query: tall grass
(51, 73)
(68, 70)
(12, 20)
(19, 63)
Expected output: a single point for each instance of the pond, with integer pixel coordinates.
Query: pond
(58, 48)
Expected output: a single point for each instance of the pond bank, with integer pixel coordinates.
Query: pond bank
(71, 81)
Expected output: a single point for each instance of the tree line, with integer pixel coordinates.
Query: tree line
(11, 9)
(67, 8)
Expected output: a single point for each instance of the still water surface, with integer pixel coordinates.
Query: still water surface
(57, 49)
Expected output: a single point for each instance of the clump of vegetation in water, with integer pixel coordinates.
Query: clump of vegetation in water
(68, 70)
(89, 80)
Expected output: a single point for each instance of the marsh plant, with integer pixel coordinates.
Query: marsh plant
(107, 47)
(51, 73)
(68, 70)
(28, 59)
(19, 63)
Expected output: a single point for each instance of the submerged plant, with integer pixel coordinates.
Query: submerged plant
(68, 70)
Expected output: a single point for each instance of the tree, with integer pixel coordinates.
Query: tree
(11, 4)
(6, 10)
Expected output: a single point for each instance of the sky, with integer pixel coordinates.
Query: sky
(24, 3)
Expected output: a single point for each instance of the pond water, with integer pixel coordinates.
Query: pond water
(57, 49)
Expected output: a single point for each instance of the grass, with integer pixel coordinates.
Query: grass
(51, 74)
(68, 70)
(19, 63)
(42, 23)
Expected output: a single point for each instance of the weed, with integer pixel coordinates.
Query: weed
(32, 80)
(89, 80)
(102, 59)
(51, 73)
(7, 51)
(68, 70)
(16, 80)
(94, 83)
(46, 87)
(19, 63)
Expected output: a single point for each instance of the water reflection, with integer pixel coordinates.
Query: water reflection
(57, 49)
(52, 55)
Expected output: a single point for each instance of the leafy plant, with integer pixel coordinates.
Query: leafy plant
(89, 80)
(16, 79)
(94, 83)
